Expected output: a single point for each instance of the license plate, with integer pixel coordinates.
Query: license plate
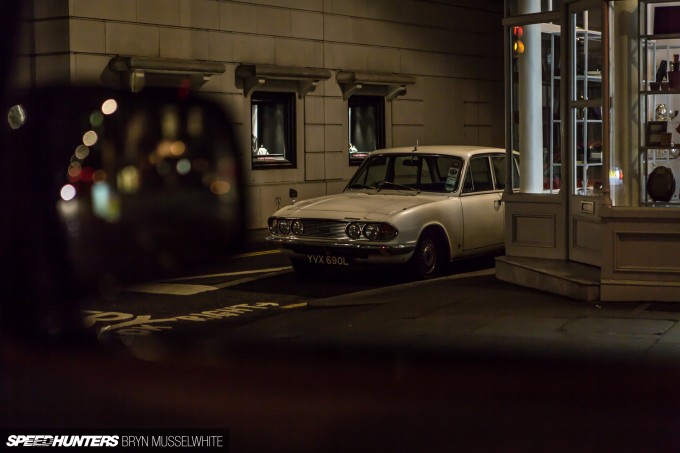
(328, 260)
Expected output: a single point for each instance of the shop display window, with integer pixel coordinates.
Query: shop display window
(659, 103)
(366, 126)
(273, 130)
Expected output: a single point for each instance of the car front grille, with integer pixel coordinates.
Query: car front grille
(326, 229)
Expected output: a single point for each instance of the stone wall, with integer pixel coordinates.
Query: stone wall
(453, 48)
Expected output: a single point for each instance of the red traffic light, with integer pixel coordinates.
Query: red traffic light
(517, 44)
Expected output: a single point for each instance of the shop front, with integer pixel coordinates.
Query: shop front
(590, 107)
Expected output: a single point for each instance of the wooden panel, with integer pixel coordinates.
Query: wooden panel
(534, 230)
(647, 252)
(587, 235)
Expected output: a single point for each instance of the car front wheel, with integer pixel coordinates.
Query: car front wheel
(426, 261)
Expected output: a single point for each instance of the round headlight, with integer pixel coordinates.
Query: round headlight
(353, 230)
(379, 231)
(297, 227)
(284, 226)
(372, 231)
(272, 225)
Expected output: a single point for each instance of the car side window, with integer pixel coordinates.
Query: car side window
(478, 176)
(499, 171)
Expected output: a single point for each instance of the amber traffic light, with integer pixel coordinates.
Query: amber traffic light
(517, 44)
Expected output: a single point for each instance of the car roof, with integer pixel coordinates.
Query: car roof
(464, 151)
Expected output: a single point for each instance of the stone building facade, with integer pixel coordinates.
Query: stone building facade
(444, 57)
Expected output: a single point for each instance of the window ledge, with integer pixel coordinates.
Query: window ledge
(302, 80)
(136, 72)
(385, 84)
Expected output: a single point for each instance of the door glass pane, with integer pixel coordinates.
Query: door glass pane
(586, 102)
(478, 177)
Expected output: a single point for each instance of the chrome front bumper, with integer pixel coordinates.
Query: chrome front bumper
(302, 246)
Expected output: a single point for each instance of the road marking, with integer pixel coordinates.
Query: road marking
(300, 305)
(185, 289)
(251, 254)
(170, 288)
(232, 274)
(135, 325)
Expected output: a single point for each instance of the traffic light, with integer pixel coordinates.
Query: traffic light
(517, 44)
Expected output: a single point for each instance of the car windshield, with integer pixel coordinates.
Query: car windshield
(422, 172)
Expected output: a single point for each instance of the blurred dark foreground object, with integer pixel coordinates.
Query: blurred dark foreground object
(102, 188)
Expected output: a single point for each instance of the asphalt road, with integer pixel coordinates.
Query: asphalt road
(255, 284)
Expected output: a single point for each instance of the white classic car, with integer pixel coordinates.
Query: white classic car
(423, 206)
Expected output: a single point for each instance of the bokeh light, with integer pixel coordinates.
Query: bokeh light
(74, 171)
(99, 176)
(16, 117)
(90, 138)
(183, 166)
(96, 119)
(109, 106)
(82, 152)
(68, 192)
(220, 187)
(177, 148)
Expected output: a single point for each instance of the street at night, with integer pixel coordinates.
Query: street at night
(340, 225)
(246, 288)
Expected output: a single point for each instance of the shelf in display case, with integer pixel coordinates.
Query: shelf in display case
(660, 37)
(656, 145)
(658, 92)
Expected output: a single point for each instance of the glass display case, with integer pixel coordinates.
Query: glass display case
(659, 102)
(588, 119)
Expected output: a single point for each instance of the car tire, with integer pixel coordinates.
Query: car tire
(304, 269)
(427, 259)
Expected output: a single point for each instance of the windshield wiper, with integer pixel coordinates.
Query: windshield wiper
(382, 184)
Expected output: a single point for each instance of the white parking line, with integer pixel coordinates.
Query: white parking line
(184, 289)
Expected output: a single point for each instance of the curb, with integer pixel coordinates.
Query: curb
(364, 297)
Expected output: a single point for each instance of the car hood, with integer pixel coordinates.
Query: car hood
(373, 206)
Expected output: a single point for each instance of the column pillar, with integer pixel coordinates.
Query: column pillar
(530, 104)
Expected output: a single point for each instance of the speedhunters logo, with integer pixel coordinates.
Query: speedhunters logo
(61, 441)
(114, 441)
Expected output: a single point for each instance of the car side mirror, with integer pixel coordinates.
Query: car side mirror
(105, 186)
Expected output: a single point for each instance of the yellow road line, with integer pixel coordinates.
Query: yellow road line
(263, 252)
(300, 305)
(232, 274)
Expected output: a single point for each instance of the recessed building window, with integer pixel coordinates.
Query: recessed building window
(366, 126)
(273, 129)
